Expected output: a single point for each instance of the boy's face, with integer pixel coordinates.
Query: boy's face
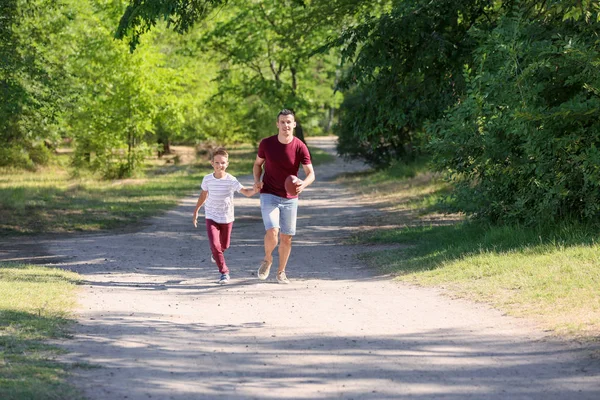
(286, 124)
(220, 163)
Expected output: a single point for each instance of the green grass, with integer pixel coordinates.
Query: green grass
(50, 201)
(35, 306)
(403, 187)
(549, 274)
(319, 157)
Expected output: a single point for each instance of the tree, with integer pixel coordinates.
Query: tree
(269, 57)
(31, 80)
(184, 80)
(405, 68)
(268, 54)
(116, 98)
(62, 75)
(131, 104)
(141, 16)
(522, 143)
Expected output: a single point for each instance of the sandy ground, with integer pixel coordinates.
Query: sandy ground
(153, 322)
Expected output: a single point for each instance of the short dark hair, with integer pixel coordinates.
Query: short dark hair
(285, 111)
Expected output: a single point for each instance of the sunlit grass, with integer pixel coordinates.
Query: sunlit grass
(51, 201)
(35, 306)
(549, 274)
(402, 186)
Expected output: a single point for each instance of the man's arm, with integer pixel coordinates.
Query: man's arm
(310, 176)
(257, 170)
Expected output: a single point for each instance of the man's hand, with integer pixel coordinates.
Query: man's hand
(258, 186)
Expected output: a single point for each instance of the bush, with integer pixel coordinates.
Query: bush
(40, 154)
(523, 143)
(363, 134)
(406, 72)
(15, 157)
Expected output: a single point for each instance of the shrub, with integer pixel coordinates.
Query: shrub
(522, 144)
(40, 154)
(16, 157)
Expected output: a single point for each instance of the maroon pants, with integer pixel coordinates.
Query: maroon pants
(219, 238)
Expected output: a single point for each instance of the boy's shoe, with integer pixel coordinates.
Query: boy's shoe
(282, 278)
(264, 269)
(212, 259)
(224, 279)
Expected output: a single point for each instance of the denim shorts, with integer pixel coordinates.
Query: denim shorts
(279, 212)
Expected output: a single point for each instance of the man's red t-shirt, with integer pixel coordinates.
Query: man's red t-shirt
(281, 160)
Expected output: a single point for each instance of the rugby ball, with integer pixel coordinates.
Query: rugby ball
(291, 183)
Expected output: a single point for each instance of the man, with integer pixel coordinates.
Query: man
(278, 157)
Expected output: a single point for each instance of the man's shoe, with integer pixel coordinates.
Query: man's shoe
(224, 279)
(282, 278)
(264, 269)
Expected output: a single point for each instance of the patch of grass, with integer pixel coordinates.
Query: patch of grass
(35, 306)
(550, 274)
(50, 201)
(319, 157)
(405, 186)
(241, 160)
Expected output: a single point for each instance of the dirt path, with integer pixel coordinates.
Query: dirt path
(158, 326)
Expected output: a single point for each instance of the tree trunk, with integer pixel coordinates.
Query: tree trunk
(294, 81)
(329, 120)
(300, 132)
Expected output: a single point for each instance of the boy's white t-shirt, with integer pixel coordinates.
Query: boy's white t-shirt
(219, 204)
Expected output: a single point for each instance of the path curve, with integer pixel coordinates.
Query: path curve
(157, 325)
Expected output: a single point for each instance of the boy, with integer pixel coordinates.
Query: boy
(217, 193)
(279, 156)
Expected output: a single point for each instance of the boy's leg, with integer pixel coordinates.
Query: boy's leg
(213, 233)
(225, 235)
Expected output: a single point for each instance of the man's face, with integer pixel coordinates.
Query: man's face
(286, 124)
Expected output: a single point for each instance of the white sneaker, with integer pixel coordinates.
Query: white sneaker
(264, 269)
(224, 279)
(282, 278)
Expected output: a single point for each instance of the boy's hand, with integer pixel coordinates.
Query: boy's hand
(257, 186)
(248, 192)
(195, 220)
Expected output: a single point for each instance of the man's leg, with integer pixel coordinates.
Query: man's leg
(271, 243)
(285, 248)
(270, 215)
(289, 210)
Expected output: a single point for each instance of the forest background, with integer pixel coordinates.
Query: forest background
(487, 109)
(502, 96)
